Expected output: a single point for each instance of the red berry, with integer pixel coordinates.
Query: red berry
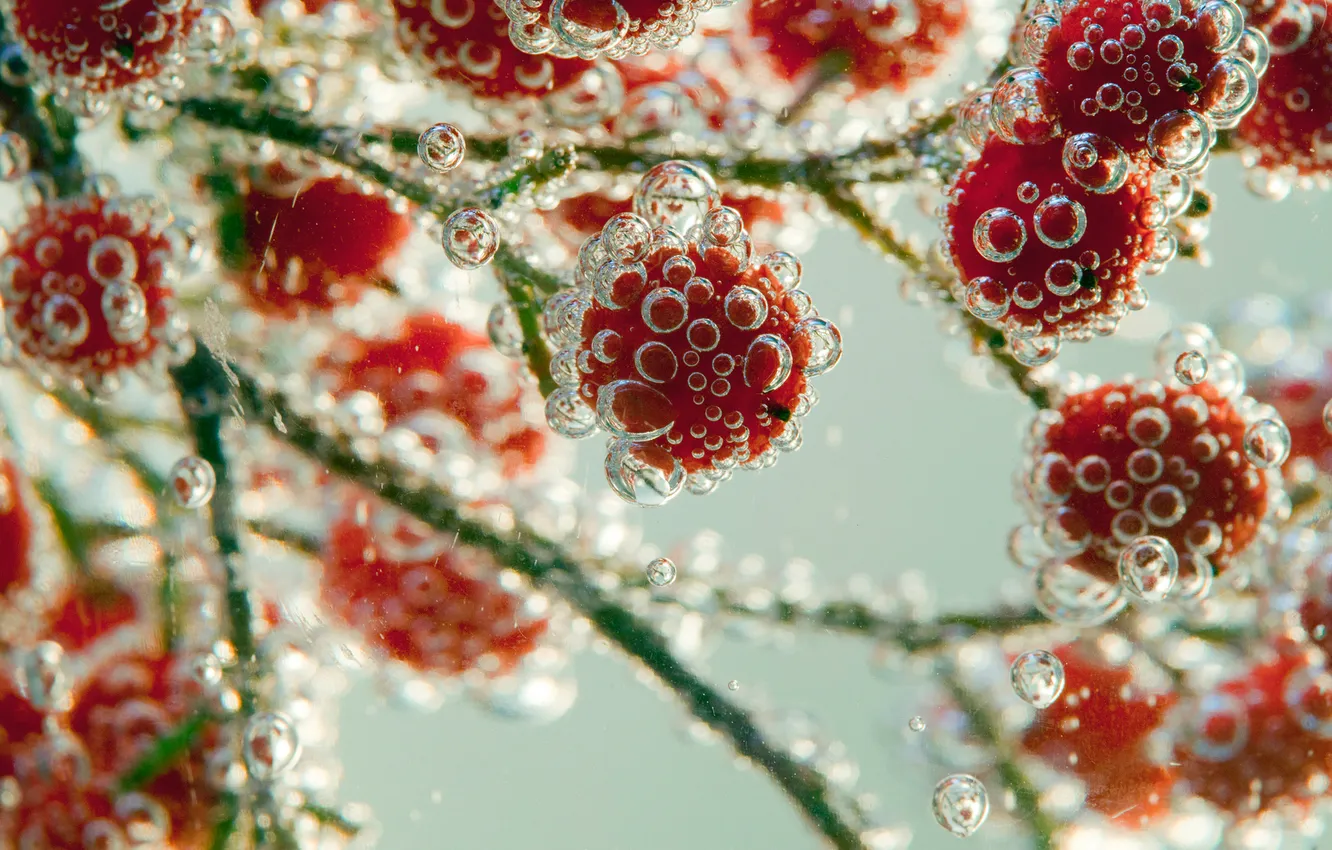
(467, 42)
(1290, 127)
(1097, 731)
(89, 49)
(91, 609)
(596, 28)
(15, 531)
(1116, 463)
(312, 7)
(1300, 397)
(1134, 72)
(312, 243)
(1262, 740)
(122, 709)
(421, 599)
(87, 283)
(881, 46)
(434, 365)
(690, 353)
(19, 722)
(1046, 257)
(581, 216)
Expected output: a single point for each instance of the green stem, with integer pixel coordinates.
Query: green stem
(165, 752)
(525, 303)
(545, 562)
(49, 131)
(333, 819)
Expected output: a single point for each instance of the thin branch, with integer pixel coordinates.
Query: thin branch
(545, 562)
(169, 748)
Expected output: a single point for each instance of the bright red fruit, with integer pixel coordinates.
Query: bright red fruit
(1262, 740)
(15, 531)
(87, 283)
(1300, 397)
(1047, 257)
(1118, 462)
(435, 365)
(421, 598)
(310, 242)
(1290, 127)
(467, 42)
(88, 49)
(880, 46)
(91, 609)
(1150, 76)
(1097, 731)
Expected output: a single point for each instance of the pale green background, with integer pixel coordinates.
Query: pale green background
(921, 480)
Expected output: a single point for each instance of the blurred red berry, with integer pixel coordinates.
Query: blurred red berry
(91, 48)
(91, 609)
(87, 282)
(583, 215)
(1047, 257)
(467, 43)
(596, 27)
(15, 531)
(1290, 127)
(877, 45)
(1123, 461)
(313, 7)
(311, 243)
(1300, 399)
(434, 365)
(423, 599)
(1097, 731)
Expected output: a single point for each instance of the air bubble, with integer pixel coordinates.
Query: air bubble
(746, 308)
(661, 572)
(676, 194)
(441, 147)
(767, 363)
(664, 310)
(270, 745)
(785, 269)
(821, 343)
(999, 235)
(1022, 108)
(1179, 140)
(986, 298)
(42, 678)
(193, 482)
(656, 362)
(1037, 677)
(471, 238)
(1236, 87)
(1060, 222)
(1191, 368)
(1267, 443)
(634, 411)
(1148, 568)
(569, 416)
(916, 724)
(626, 238)
(643, 474)
(961, 804)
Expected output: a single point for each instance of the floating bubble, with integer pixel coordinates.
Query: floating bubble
(1148, 568)
(643, 474)
(1267, 443)
(193, 482)
(270, 745)
(661, 572)
(676, 194)
(916, 724)
(1191, 368)
(471, 238)
(961, 804)
(1037, 677)
(42, 678)
(504, 330)
(1070, 596)
(733, 685)
(441, 147)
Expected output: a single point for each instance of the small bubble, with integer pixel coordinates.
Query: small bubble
(441, 147)
(206, 670)
(999, 235)
(526, 145)
(471, 238)
(1191, 368)
(733, 685)
(1267, 443)
(916, 724)
(1148, 568)
(42, 678)
(961, 804)
(270, 745)
(1327, 416)
(1037, 677)
(661, 572)
(193, 482)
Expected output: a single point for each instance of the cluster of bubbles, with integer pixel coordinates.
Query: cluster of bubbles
(606, 28)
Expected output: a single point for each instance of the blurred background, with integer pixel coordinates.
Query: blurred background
(905, 469)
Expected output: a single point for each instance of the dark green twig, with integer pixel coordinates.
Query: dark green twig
(333, 819)
(48, 129)
(165, 752)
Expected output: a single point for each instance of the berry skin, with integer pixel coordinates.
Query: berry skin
(15, 531)
(1261, 741)
(432, 364)
(1134, 73)
(594, 28)
(309, 243)
(87, 287)
(1041, 255)
(90, 610)
(468, 44)
(1118, 462)
(1098, 729)
(420, 599)
(879, 47)
(1300, 398)
(89, 49)
(693, 356)
(1290, 127)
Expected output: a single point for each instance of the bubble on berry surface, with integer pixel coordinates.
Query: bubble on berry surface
(193, 482)
(999, 235)
(1179, 140)
(588, 38)
(441, 147)
(661, 572)
(568, 415)
(1022, 108)
(1148, 568)
(1094, 162)
(1252, 47)
(1267, 443)
(42, 677)
(822, 341)
(270, 745)
(633, 410)
(1071, 597)
(1218, 728)
(916, 724)
(1037, 677)
(986, 298)
(785, 268)
(1059, 221)
(643, 474)
(973, 117)
(767, 363)
(961, 804)
(676, 194)
(1327, 416)
(1308, 694)
(626, 238)
(1036, 350)
(1221, 23)
(1234, 85)
(471, 238)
